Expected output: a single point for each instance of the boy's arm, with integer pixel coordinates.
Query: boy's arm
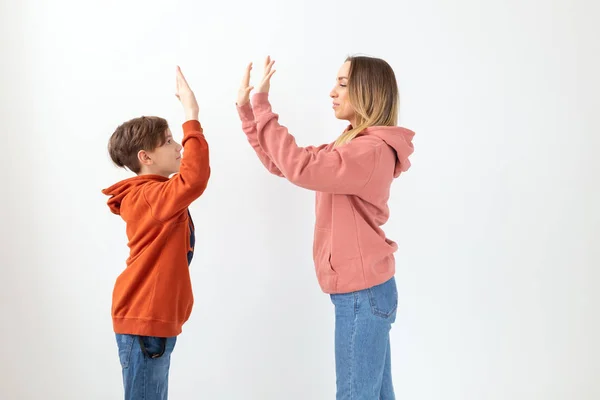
(166, 199)
(175, 195)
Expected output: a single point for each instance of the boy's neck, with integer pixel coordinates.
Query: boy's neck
(150, 172)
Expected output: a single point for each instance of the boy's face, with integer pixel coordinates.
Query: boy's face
(165, 159)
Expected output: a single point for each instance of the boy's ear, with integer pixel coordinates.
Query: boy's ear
(144, 158)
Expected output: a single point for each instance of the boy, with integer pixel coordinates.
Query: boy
(152, 297)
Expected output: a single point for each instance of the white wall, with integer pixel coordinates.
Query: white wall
(497, 221)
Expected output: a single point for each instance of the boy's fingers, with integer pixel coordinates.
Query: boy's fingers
(177, 81)
(181, 77)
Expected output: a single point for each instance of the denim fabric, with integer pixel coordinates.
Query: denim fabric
(145, 363)
(363, 321)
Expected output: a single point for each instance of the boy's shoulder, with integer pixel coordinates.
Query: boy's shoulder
(130, 195)
(156, 197)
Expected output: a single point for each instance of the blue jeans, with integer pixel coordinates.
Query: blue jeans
(145, 363)
(363, 321)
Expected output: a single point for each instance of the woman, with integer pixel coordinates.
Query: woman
(352, 176)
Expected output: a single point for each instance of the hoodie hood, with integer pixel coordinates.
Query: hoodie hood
(120, 190)
(399, 139)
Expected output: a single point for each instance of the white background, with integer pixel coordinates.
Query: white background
(497, 221)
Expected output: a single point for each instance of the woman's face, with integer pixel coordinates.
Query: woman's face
(341, 101)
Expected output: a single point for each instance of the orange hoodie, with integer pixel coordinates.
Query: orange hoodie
(350, 250)
(153, 295)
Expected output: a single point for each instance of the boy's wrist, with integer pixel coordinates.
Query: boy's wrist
(191, 113)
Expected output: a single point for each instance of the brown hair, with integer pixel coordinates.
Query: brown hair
(143, 133)
(373, 93)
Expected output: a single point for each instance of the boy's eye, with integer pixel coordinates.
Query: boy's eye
(169, 141)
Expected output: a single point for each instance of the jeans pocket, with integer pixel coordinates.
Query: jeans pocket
(156, 347)
(384, 299)
(125, 346)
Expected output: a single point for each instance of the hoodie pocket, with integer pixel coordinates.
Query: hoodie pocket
(322, 257)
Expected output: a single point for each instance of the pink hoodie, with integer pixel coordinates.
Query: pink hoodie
(350, 250)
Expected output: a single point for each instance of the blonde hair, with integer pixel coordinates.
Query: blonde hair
(373, 93)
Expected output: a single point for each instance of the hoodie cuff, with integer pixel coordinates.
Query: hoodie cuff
(245, 112)
(260, 103)
(191, 126)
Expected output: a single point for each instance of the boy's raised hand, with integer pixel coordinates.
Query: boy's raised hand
(186, 96)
